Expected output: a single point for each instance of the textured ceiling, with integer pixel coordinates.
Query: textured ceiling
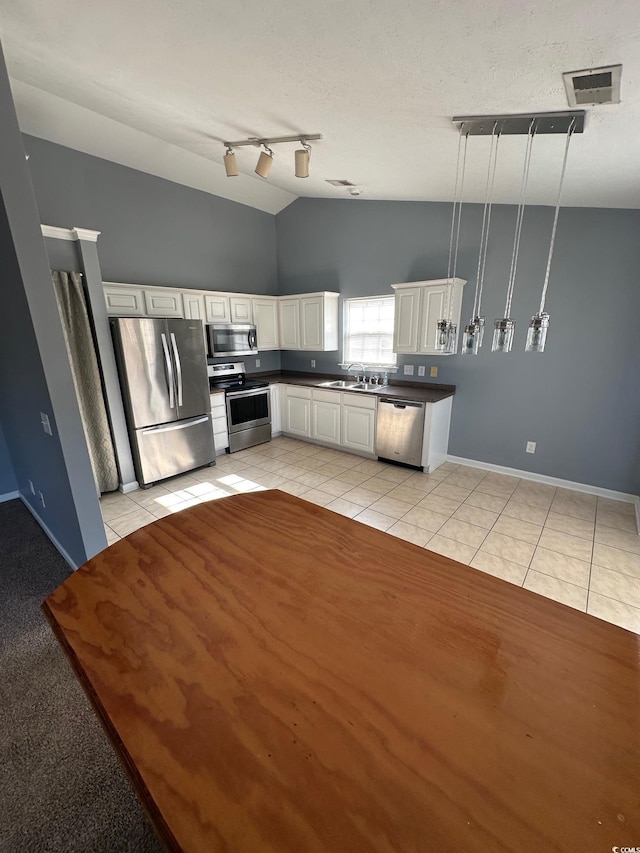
(157, 84)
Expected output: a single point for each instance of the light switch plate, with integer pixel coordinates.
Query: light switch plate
(257, 362)
(408, 370)
(421, 370)
(313, 362)
(531, 447)
(433, 372)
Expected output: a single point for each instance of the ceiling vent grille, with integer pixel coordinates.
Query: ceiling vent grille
(339, 183)
(593, 86)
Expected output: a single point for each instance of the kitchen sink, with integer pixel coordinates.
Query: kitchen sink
(365, 386)
(338, 383)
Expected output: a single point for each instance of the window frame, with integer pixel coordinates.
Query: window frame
(390, 364)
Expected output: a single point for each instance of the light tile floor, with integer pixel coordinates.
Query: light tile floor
(576, 548)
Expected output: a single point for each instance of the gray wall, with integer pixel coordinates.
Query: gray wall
(8, 482)
(579, 400)
(154, 231)
(34, 369)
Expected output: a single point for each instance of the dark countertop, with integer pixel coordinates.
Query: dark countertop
(421, 392)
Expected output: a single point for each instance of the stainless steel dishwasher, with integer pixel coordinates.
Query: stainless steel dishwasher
(399, 430)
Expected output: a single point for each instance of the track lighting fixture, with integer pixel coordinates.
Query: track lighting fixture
(265, 160)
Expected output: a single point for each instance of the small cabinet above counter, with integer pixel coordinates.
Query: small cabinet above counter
(419, 306)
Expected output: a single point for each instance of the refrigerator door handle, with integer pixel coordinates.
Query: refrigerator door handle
(169, 369)
(175, 426)
(176, 357)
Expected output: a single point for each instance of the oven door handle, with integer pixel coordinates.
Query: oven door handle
(250, 393)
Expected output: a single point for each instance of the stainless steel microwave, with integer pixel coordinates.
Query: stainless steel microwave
(226, 339)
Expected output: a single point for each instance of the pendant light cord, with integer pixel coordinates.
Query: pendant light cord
(555, 218)
(519, 218)
(486, 220)
(455, 256)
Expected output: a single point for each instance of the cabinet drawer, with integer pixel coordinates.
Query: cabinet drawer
(323, 396)
(359, 401)
(298, 391)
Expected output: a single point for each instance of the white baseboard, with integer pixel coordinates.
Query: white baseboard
(53, 539)
(551, 481)
(128, 487)
(9, 496)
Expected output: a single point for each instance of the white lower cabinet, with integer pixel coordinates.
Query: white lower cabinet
(325, 416)
(219, 419)
(276, 415)
(359, 423)
(330, 417)
(297, 411)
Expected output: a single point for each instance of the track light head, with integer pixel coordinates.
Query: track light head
(303, 156)
(230, 165)
(265, 162)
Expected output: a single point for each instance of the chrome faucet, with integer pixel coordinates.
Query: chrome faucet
(358, 364)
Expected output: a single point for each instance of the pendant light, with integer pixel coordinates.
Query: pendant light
(504, 327)
(474, 330)
(537, 331)
(446, 329)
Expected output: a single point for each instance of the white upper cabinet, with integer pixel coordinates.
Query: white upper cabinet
(193, 305)
(290, 323)
(419, 305)
(240, 309)
(218, 309)
(163, 302)
(124, 300)
(265, 317)
(309, 322)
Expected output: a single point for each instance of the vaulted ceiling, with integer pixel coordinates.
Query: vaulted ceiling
(158, 84)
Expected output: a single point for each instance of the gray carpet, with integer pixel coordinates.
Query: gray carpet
(61, 785)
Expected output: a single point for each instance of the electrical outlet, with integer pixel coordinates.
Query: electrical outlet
(408, 370)
(257, 362)
(44, 420)
(421, 370)
(313, 362)
(42, 500)
(32, 487)
(531, 447)
(433, 372)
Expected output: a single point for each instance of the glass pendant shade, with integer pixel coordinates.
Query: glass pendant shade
(470, 340)
(537, 333)
(503, 330)
(443, 335)
(473, 335)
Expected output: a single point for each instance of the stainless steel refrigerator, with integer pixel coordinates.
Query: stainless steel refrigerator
(163, 374)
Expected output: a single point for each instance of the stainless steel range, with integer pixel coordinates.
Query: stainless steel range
(247, 402)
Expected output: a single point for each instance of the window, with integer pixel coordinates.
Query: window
(368, 331)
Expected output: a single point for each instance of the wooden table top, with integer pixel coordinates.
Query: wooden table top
(276, 677)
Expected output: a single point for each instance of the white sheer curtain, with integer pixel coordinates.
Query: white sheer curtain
(86, 377)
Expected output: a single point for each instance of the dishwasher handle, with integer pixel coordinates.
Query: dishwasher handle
(402, 404)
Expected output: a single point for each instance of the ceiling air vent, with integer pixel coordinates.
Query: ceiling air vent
(593, 86)
(340, 183)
